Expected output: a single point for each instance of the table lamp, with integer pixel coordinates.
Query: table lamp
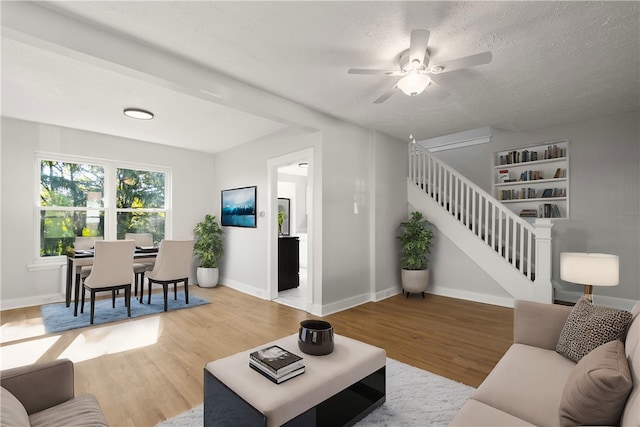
(590, 270)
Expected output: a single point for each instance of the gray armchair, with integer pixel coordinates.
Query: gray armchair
(43, 395)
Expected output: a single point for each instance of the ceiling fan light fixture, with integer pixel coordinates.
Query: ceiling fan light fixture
(414, 83)
(138, 113)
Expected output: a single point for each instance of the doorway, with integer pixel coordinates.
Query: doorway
(291, 190)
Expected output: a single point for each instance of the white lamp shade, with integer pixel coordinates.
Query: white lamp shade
(414, 83)
(589, 269)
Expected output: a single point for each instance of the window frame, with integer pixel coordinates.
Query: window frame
(109, 198)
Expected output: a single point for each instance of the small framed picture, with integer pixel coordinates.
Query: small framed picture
(284, 207)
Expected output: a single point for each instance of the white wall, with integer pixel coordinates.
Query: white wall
(351, 166)
(294, 187)
(604, 174)
(346, 215)
(455, 275)
(245, 265)
(389, 199)
(192, 188)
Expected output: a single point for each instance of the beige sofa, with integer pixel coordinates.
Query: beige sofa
(527, 386)
(43, 395)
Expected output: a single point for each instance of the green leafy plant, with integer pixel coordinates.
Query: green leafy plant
(208, 246)
(416, 238)
(281, 217)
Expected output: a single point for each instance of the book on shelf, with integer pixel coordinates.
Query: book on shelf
(554, 152)
(560, 173)
(277, 360)
(530, 175)
(276, 379)
(549, 210)
(529, 213)
(503, 175)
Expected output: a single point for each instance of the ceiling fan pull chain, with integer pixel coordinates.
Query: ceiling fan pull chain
(412, 125)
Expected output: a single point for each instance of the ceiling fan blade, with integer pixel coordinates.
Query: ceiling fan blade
(367, 71)
(459, 63)
(437, 90)
(418, 46)
(385, 96)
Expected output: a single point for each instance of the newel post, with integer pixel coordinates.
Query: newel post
(542, 287)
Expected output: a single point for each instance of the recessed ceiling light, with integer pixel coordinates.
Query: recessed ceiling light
(138, 113)
(303, 164)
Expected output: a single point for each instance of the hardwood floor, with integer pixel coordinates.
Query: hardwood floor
(144, 370)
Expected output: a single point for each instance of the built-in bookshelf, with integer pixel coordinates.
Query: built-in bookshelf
(533, 181)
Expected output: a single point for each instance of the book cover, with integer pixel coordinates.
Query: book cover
(275, 358)
(282, 373)
(281, 379)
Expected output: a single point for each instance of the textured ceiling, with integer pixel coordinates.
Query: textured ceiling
(553, 63)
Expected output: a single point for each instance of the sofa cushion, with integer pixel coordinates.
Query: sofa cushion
(478, 414)
(525, 380)
(588, 327)
(13, 413)
(597, 388)
(81, 411)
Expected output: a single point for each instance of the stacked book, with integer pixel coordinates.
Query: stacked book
(529, 213)
(276, 363)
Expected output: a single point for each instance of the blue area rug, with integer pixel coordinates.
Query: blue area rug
(59, 317)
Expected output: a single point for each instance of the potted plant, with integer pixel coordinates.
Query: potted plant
(281, 216)
(209, 249)
(416, 239)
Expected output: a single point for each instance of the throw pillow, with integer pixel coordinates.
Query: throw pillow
(589, 326)
(597, 388)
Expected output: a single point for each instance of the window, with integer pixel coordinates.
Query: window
(71, 204)
(75, 200)
(140, 206)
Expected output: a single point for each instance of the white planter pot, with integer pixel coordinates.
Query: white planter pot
(207, 277)
(415, 281)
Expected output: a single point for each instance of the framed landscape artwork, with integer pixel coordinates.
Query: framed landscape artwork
(238, 207)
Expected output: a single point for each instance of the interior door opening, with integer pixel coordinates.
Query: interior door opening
(293, 234)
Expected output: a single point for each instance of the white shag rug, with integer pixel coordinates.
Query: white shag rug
(414, 398)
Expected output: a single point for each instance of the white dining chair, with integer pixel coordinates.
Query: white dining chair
(173, 264)
(112, 270)
(140, 268)
(141, 239)
(83, 243)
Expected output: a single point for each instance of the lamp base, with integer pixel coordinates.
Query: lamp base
(588, 289)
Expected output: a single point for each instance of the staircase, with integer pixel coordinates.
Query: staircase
(515, 253)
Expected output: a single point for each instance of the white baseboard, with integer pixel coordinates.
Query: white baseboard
(386, 293)
(571, 296)
(472, 296)
(244, 288)
(344, 304)
(31, 301)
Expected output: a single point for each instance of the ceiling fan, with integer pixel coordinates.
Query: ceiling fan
(415, 67)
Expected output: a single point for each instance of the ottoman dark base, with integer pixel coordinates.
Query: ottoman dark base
(223, 407)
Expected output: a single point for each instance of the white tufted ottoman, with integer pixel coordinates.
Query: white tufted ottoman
(336, 389)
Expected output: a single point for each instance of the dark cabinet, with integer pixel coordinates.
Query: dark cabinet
(288, 263)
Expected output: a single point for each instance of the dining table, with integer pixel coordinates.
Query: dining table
(76, 259)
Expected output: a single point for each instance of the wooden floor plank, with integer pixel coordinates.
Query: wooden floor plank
(157, 371)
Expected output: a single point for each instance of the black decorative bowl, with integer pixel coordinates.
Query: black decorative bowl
(315, 337)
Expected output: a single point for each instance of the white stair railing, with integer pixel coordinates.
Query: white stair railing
(525, 246)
